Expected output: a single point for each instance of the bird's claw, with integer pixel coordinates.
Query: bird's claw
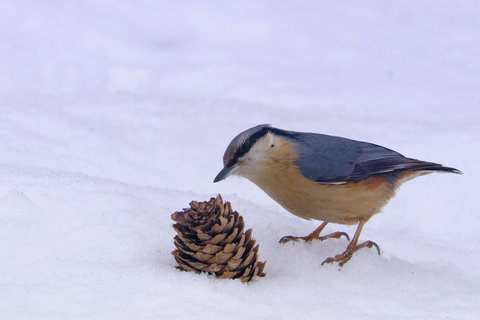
(311, 237)
(344, 257)
(335, 235)
(286, 239)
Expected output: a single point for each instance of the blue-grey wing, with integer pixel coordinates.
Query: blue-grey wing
(330, 159)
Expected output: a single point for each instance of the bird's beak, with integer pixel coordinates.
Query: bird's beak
(225, 172)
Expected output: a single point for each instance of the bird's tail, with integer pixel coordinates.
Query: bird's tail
(417, 165)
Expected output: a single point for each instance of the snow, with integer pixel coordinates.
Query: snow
(115, 114)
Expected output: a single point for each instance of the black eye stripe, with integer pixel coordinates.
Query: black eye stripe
(247, 145)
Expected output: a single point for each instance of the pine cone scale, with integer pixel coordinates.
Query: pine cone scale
(233, 264)
(230, 247)
(221, 258)
(232, 236)
(248, 259)
(239, 253)
(210, 248)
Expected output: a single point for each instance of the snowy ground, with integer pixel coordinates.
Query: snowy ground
(114, 114)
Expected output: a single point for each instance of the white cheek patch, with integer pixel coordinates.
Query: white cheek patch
(258, 152)
(252, 156)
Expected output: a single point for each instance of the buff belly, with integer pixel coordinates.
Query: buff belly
(342, 203)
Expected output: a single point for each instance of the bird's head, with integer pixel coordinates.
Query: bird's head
(248, 151)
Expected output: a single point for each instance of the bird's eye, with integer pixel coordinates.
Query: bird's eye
(272, 145)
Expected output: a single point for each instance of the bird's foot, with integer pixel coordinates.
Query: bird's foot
(344, 257)
(314, 236)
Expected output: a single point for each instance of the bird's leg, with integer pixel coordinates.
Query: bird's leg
(316, 235)
(352, 247)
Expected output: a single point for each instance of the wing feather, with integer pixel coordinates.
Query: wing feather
(336, 160)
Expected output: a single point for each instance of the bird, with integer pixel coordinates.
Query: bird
(322, 177)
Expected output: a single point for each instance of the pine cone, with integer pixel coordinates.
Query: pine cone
(210, 238)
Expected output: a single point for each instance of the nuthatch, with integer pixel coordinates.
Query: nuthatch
(327, 178)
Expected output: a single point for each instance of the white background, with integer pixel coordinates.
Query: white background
(115, 114)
